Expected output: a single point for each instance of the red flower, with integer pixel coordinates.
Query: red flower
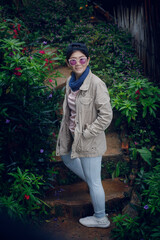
(50, 61)
(18, 68)
(46, 60)
(50, 80)
(24, 49)
(15, 31)
(42, 52)
(53, 134)
(138, 92)
(16, 71)
(26, 197)
(14, 36)
(19, 25)
(4, 20)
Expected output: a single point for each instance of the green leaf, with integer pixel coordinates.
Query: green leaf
(145, 154)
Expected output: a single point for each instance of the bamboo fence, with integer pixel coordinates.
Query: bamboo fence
(142, 19)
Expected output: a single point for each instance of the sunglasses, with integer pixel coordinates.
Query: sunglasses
(74, 61)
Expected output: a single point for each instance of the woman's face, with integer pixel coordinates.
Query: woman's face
(78, 63)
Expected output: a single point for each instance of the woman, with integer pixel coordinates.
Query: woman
(81, 142)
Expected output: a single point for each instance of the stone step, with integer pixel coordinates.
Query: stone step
(74, 200)
(113, 146)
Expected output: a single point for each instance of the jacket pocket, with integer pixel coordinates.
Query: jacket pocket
(86, 144)
(86, 109)
(86, 100)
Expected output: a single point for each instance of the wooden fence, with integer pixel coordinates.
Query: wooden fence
(142, 19)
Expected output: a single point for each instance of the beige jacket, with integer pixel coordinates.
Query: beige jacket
(93, 116)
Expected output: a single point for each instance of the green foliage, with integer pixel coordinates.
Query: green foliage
(24, 2)
(135, 97)
(145, 154)
(152, 191)
(111, 169)
(124, 227)
(146, 224)
(22, 198)
(28, 106)
(143, 227)
(116, 172)
(50, 15)
(62, 57)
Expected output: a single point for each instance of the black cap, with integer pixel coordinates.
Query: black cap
(76, 47)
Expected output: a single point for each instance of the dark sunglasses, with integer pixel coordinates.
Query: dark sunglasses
(74, 61)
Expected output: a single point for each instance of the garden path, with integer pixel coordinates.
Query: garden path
(71, 202)
(65, 71)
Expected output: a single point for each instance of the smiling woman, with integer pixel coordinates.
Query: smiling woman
(81, 142)
(78, 63)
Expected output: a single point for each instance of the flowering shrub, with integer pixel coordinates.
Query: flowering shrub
(50, 15)
(22, 197)
(135, 98)
(28, 117)
(28, 108)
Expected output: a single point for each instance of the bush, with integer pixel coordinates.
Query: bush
(29, 114)
(20, 196)
(50, 15)
(146, 224)
(135, 98)
(28, 107)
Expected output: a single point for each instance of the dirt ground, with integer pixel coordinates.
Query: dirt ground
(71, 229)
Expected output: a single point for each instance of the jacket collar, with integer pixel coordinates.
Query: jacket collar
(86, 82)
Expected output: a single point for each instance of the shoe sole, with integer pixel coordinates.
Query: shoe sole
(96, 226)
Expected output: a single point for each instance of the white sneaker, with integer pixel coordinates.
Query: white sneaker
(93, 221)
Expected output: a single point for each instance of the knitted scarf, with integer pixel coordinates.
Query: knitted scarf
(76, 84)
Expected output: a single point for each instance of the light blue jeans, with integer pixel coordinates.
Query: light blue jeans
(89, 169)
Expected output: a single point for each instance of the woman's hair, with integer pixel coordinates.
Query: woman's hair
(76, 47)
